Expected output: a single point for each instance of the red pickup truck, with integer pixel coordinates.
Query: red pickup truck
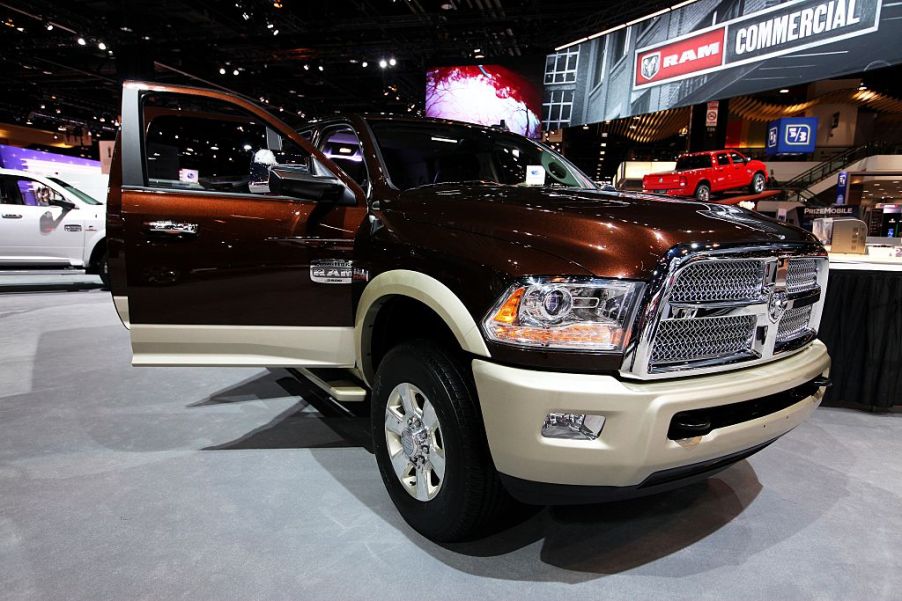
(701, 174)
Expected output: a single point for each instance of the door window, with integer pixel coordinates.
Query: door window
(737, 158)
(196, 143)
(723, 160)
(29, 192)
(342, 145)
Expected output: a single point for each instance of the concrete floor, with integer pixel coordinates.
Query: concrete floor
(150, 483)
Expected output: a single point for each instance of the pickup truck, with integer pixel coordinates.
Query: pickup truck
(701, 174)
(47, 222)
(517, 333)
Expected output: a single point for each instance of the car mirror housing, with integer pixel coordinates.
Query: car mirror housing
(300, 183)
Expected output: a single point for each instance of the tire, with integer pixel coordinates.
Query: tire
(103, 270)
(466, 500)
(758, 183)
(703, 193)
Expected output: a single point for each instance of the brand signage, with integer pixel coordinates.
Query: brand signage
(842, 187)
(791, 135)
(782, 29)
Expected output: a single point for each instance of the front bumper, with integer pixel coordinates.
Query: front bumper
(633, 445)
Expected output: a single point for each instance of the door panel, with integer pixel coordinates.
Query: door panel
(217, 269)
(33, 232)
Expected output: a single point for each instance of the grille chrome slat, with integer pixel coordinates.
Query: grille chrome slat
(713, 281)
(794, 324)
(681, 340)
(801, 275)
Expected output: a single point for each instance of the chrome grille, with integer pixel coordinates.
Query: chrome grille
(801, 275)
(794, 324)
(681, 340)
(713, 281)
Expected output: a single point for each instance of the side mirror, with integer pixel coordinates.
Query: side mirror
(302, 184)
(67, 205)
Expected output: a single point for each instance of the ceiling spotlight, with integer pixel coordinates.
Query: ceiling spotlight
(383, 63)
(862, 87)
(269, 25)
(364, 64)
(392, 62)
(320, 67)
(784, 91)
(49, 26)
(275, 32)
(235, 72)
(222, 71)
(306, 67)
(447, 6)
(101, 45)
(81, 41)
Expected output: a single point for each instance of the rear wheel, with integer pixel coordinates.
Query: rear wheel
(758, 183)
(429, 442)
(703, 193)
(102, 268)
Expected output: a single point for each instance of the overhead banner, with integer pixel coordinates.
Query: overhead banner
(715, 49)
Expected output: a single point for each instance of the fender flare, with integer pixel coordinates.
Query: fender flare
(422, 288)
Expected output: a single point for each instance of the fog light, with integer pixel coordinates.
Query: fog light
(573, 426)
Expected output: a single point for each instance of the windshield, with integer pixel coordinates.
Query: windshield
(422, 154)
(85, 198)
(696, 161)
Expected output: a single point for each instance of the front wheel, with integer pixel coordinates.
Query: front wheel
(703, 193)
(430, 445)
(758, 183)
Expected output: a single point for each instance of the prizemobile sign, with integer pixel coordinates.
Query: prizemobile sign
(769, 33)
(716, 49)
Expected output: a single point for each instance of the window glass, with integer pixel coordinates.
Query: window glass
(420, 155)
(738, 159)
(619, 44)
(84, 197)
(195, 143)
(343, 146)
(723, 160)
(694, 161)
(9, 190)
(35, 194)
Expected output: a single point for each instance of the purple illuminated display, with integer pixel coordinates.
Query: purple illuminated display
(484, 94)
(12, 157)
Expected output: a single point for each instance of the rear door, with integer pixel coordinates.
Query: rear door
(212, 268)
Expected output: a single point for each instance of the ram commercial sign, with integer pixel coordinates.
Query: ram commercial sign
(716, 49)
(769, 33)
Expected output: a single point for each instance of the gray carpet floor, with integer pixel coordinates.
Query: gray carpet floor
(122, 483)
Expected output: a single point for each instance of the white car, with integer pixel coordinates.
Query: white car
(45, 222)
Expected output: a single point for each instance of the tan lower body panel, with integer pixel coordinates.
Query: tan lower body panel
(633, 443)
(263, 346)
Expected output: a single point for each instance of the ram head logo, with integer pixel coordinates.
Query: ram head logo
(651, 64)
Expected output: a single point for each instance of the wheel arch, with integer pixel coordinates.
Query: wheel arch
(96, 252)
(407, 286)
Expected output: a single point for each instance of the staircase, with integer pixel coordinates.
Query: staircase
(797, 188)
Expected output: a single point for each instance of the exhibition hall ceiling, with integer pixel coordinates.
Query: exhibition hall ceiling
(62, 61)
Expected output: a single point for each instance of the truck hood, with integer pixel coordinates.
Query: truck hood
(607, 233)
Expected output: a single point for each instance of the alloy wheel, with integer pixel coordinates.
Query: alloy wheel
(413, 436)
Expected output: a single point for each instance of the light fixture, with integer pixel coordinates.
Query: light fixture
(235, 72)
(320, 67)
(49, 26)
(81, 42)
(275, 32)
(784, 91)
(222, 71)
(392, 62)
(383, 63)
(101, 45)
(306, 67)
(364, 64)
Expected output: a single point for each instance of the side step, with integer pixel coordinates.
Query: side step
(340, 384)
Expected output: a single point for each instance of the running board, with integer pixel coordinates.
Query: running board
(338, 384)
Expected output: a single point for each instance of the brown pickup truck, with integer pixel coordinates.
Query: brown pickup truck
(517, 333)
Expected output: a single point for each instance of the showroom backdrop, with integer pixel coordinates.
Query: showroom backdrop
(714, 49)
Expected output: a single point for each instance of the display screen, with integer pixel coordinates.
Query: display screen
(486, 95)
(716, 49)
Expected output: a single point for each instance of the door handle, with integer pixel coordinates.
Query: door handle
(12, 216)
(171, 228)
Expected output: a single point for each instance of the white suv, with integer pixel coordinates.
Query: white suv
(45, 222)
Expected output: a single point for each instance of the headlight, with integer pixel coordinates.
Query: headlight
(565, 313)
